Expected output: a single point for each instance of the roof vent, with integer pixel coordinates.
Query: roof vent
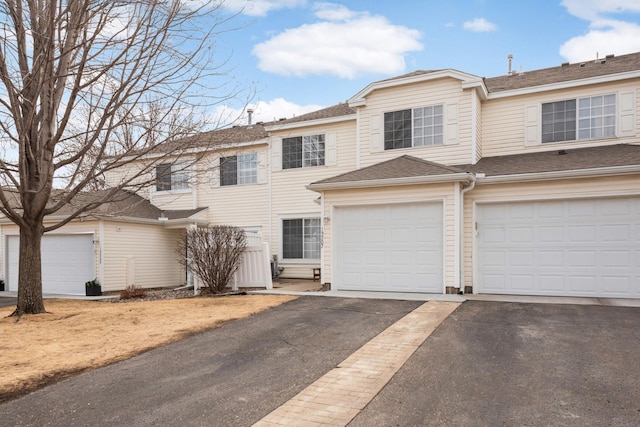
(510, 59)
(583, 64)
(250, 116)
(562, 152)
(282, 119)
(611, 55)
(565, 64)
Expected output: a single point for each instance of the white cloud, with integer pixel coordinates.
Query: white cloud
(260, 7)
(264, 111)
(591, 10)
(479, 25)
(344, 44)
(614, 37)
(606, 34)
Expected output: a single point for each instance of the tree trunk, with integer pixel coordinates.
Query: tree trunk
(30, 271)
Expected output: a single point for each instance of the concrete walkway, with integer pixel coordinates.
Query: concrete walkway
(338, 396)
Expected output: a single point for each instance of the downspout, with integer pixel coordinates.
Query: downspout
(323, 219)
(357, 138)
(471, 186)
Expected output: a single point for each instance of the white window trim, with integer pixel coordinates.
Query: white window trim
(257, 169)
(444, 127)
(577, 138)
(281, 238)
(182, 167)
(302, 137)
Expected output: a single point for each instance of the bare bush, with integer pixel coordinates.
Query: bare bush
(133, 292)
(213, 254)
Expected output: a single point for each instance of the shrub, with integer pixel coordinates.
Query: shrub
(132, 291)
(213, 254)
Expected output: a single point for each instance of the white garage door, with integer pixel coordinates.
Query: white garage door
(395, 248)
(574, 248)
(67, 263)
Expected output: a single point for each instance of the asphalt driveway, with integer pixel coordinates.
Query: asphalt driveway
(230, 376)
(496, 363)
(489, 363)
(7, 301)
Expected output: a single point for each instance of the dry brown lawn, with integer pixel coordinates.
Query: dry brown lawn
(76, 336)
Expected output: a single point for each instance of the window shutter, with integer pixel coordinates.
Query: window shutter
(330, 149)
(627, 114)
(276, 153)
(215, 173)
(377, 140)
(532, 124)
(262, 167)
(451, 117)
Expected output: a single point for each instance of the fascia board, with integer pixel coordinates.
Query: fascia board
(307, 123)
(469, 80)
(545, 176)
(565, 85)
(431, 179)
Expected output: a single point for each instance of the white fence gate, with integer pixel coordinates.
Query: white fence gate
(255, 266)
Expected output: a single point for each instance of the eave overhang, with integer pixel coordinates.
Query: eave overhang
(391, 182)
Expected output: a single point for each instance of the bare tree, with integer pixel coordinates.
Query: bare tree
(213, 254)
(86, 88)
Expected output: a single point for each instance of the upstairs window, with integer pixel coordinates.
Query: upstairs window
(303, 151)
(579, 119)
(171, 177)
(238, 170)
(301, 238)
(417, 127)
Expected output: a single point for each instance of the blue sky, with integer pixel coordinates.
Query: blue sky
(302, 55)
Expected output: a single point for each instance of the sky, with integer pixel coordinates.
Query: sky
(297, 56)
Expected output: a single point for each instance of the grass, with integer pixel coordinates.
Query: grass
(76, 336)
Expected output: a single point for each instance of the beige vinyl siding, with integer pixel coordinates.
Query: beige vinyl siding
(140, 254)
(171, 200)
(544, 190)
(478, 128)
(503, 120)
(445, 91)
(290, 198)
(245, 205)
(415, 193)
(74, 227)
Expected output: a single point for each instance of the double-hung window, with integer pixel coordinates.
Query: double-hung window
(238, 170)
(303, 151)
(578, 119)
(417, 127)
(171, 176)
(301, 238)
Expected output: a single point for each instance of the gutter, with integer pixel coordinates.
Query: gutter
(390, 182)
(545, 176)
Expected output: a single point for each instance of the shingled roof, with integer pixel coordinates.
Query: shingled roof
(564, 73)
(400, 167)
(123, 204)
(558, 160)
(338, 110)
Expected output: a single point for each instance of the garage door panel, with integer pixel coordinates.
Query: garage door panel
(621, 285)
(551, 258)
(522, 235)
(521, 258)
(581, 259)
(522, 282)
(550, 283)
(68, 262)
(399, 247)
(593, 249)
